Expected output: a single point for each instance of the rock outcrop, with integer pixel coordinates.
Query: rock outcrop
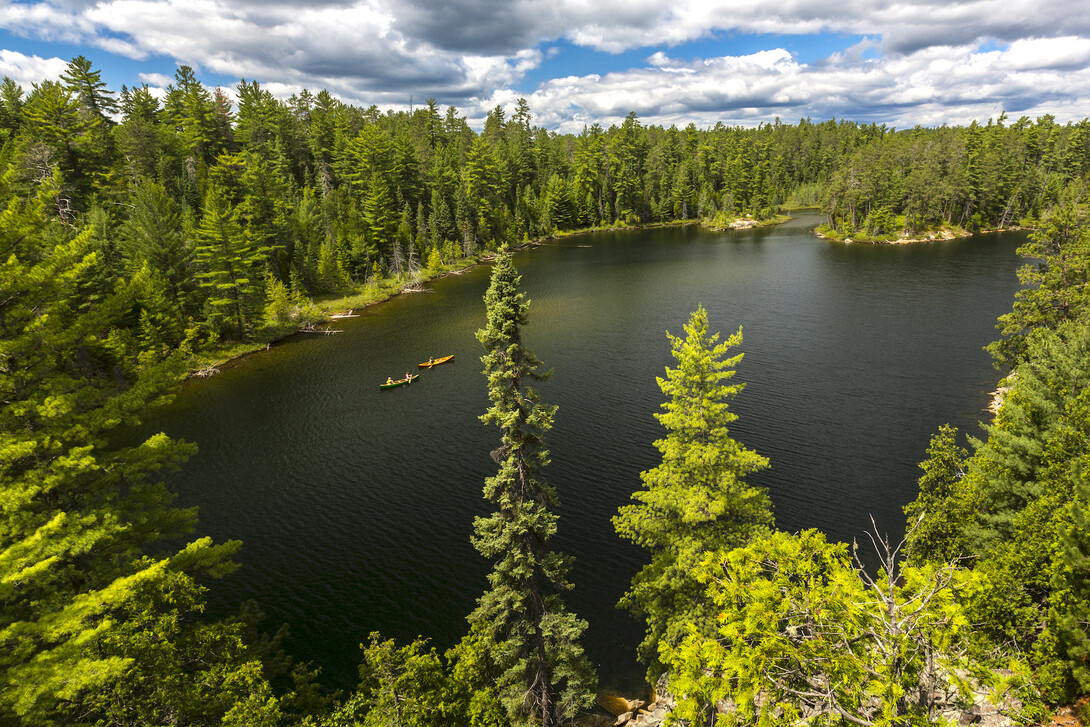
(635, 712)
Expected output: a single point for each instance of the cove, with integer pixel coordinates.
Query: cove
(355, 504)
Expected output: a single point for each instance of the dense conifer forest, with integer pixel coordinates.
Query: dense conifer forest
(141, 234)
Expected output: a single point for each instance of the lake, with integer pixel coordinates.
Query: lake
(356, 504)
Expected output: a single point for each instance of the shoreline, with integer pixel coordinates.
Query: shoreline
(946, 233)
(210, 364)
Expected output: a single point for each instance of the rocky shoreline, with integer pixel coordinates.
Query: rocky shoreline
(618, 711)
(945, 233)
(978, 708)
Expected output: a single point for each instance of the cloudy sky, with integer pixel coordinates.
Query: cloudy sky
(743, 62)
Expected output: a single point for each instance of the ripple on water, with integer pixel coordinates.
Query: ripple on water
(356, 504)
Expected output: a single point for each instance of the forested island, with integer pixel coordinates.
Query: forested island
(143, 238)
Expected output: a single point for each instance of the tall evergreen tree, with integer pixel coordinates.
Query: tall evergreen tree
(11, 103)
(941, 515)
(93, 622)
(154, 236)
(98, 102)
(697, 499)
(532, 640)
(1057, 280)
(231, 265)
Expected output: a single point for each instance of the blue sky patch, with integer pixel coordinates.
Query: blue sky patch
(564, 58)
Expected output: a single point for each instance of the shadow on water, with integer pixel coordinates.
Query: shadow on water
(356, 504)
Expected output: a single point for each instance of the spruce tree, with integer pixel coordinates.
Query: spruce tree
(697, 499)
(531, 639)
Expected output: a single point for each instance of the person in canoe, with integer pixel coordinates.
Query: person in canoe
(431, 360)
(389, 380)
(406, 375)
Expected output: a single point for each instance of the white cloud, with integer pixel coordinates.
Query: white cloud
(931, 86)
(156, 79)
(1065, 52)
(919, 62)
(26, 70)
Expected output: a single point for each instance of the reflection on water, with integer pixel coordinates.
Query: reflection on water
(355, 504)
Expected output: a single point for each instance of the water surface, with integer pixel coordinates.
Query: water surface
(355, 504)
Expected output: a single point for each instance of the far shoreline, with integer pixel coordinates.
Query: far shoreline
(941, 235)
(380, 291)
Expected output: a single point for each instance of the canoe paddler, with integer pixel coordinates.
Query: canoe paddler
(389, 380)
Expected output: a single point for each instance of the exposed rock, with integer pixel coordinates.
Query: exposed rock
(977, 708)
(971, 716)
(724, 706)
(641, 714)
(614, 704)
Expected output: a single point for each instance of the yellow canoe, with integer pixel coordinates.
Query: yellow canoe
(435, 362)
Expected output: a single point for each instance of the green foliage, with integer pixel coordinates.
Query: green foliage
(404, 686)
(1057, 281)
(92, 627)
(278, 302)
(803, 634)
(472, 676)
(1074, 619)
(1028, 473)
(411, 686)
(154, 236)
(531, 641)
(1016, 465)
(129, 244)
(696, 500)
(944, 512)
(180, 668)
(96, 100)
(230, 263)
(1016, 508)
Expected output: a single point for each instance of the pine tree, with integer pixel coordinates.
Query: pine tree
(192, 110)
(231, 264)
(943, 512)
(696, 500)
(89, 616)
(308, 232)
(153, 236)
(57, 132)
(11, 104)
(139, 103)
(541, 672)
(97, 101)
(1056, 282)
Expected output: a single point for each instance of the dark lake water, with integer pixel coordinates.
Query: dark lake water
(355, 504)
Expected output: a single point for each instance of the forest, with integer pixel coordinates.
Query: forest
(142, 235)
